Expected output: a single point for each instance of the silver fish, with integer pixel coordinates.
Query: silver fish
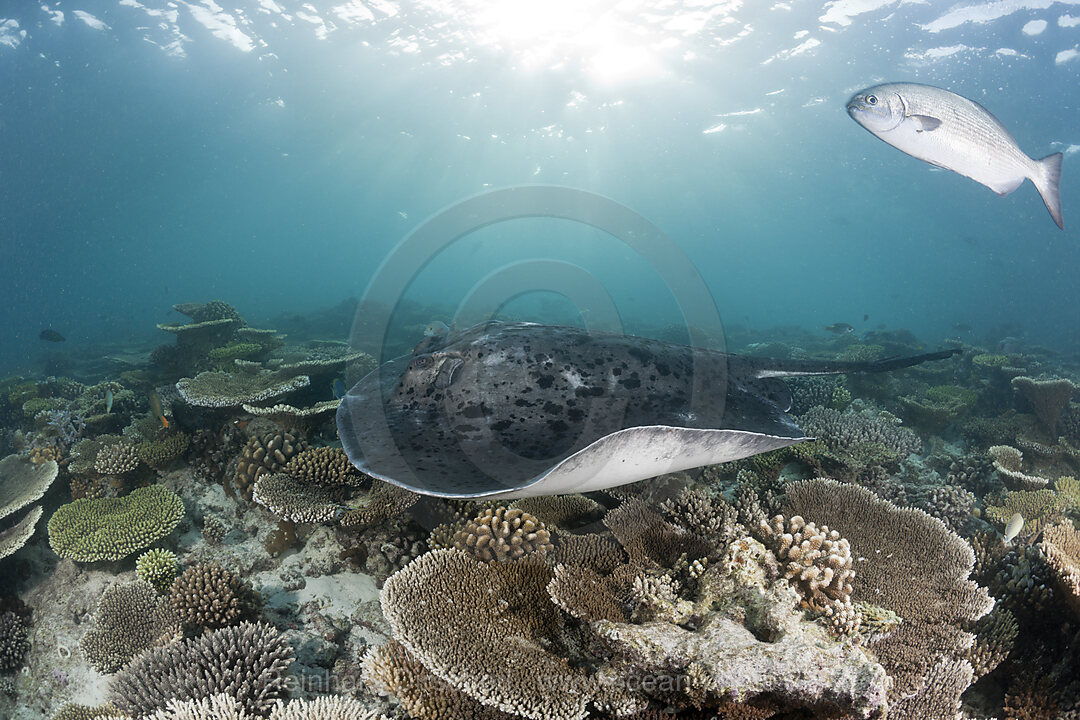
(954, 133)
(108, 401)
(1016, 524)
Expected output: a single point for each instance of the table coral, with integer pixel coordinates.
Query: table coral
(89, 530)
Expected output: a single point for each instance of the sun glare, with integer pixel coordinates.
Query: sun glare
(596, 36)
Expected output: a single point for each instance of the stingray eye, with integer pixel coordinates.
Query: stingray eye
(871, 99)
(422, 362)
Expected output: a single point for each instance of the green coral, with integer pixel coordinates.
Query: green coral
(988, 360)
(228, 353)
(841, 398)
(862, 353)
(161, 453)
(158, 568)
(33, 406)
(89, 530)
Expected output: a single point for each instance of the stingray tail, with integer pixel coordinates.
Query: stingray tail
(795, 368)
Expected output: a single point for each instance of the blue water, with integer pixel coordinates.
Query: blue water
(272, 154)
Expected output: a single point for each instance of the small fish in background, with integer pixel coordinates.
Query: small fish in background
(961, 328)
(436, 328)
(155, 409)
(839, 329)
(954, 133)
(1016, 524)
(865, 317)
(108, 401)
(50, 335)
(337, 387)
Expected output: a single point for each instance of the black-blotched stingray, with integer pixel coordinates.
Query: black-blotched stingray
(518, 409)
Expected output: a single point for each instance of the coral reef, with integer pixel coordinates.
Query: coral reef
(247, 662)
(209, 596)
(1048, 398)
(1008, 461)
(130, 619)
(22, 483)
(268, 453)
(1061, 546)
(112, 528)
(157, 567)
(14, 642)
(505, 535)
(251, 385)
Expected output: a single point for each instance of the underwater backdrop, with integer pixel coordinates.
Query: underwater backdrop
(217, 217)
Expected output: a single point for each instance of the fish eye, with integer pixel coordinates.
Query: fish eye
(871, 99)
(423, 361)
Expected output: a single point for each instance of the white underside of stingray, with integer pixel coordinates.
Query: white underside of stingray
(631, 455)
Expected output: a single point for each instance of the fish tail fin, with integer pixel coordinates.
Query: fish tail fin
(1046, 182)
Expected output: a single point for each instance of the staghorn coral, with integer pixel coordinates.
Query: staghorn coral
(1048, 398)
(112, 528)
(505, 535)
(158, 568)
(926, 655)
(1008, 461)
(450, 611)
(225, 707)
(1024, 584)
(390, 669)
(818, 563)
(324, 465)
(213, 530)
(248, 662)
(130, 619)
(268, 453)
(209, 596)
(952, 505)
(14, 642)
(1061, 546)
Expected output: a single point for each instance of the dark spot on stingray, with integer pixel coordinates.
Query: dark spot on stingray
(502, 426)
(631, 383)
(545, 381)
(473, 411)
(552, 408)
(558, 426)
(641, 355)
(616, 371)
(575, 415)
(663, 369)
(593, 391)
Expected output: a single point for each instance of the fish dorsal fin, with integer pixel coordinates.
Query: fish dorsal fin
(925, 123)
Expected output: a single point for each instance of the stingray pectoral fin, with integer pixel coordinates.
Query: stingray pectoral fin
(639, 453)
(925, 123)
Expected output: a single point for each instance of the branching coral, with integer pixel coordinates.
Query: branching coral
(247, 662)
(1061, 545)
(116, 459)
(325, 465)
(934, 607)
(504, 534)
(817, 561)
(14, 642)
(22, 483)
(158, 568)
(266, 453)
(112, 528)
(209, 596)
(130, 619)
(217, 389)
(849, 429)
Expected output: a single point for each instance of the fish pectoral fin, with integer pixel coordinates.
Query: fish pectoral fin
(925, 123)
(1004, 188)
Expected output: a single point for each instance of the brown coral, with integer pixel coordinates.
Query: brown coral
(1061, 546)
(116, 459)
(650, 539)
(484, 628)
(1048, 398)
(1008, 461)
(325, 465)
(207, 595)
(584, 594)
(424, 696)
(911, 564)
(268, 453)
(817, 561)
(504, 534)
